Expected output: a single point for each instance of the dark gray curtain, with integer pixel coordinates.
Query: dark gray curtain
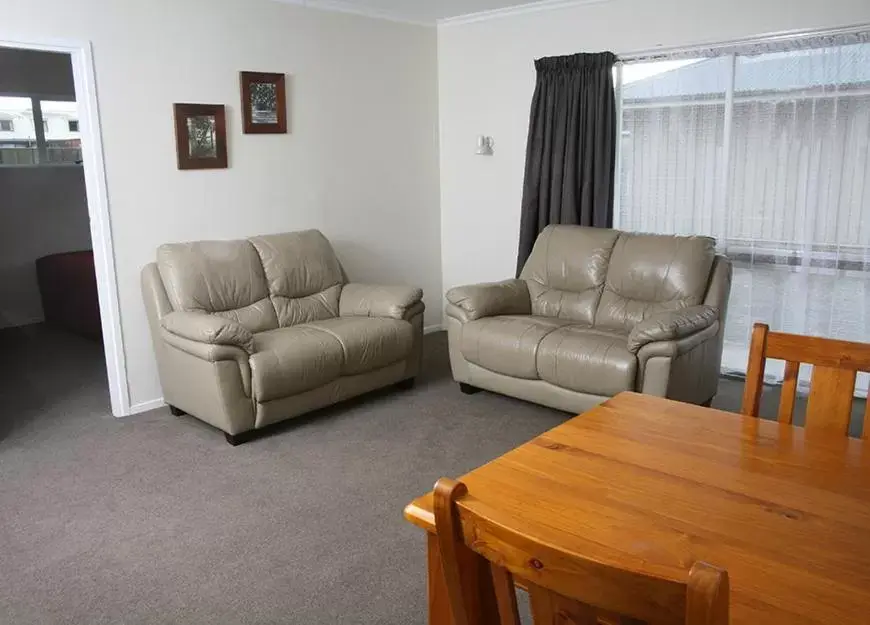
(571, 151)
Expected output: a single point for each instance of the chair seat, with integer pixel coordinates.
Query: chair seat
(368, 343)
(587, 360)
(508, 344)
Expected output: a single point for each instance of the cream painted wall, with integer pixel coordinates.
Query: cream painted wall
(486, 78)
(360, 162)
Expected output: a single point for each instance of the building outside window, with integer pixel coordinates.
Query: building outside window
(19, 144)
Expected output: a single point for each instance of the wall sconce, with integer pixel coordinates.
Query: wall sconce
(484, 146)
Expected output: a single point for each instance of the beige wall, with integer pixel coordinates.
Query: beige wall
(360, 162)
(486, 78)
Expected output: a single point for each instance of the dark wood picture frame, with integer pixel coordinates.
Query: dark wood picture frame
(249, 81)
(214, 136)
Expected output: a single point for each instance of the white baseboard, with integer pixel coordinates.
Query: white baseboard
(438, 327)
(145, 406)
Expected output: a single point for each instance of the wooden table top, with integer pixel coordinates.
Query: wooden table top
(656, 485)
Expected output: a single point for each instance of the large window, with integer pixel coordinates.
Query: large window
(34, 131)
(767, 148)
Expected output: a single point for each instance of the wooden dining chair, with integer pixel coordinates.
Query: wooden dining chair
(564, 587)
(832, 387)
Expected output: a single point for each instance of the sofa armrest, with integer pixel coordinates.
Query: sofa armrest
(208, 329)
(370, 300)
(210, 352)
(672, 325)
(509, 297)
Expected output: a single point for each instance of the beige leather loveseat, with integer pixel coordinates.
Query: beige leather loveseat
(251, 332)
(596, 312)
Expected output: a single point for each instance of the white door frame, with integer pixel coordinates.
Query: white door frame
(98, 209)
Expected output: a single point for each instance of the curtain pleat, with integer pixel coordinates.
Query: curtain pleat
(571, 149)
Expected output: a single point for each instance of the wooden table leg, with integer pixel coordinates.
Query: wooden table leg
(477, 580)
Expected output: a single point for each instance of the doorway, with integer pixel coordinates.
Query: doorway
(58, 285)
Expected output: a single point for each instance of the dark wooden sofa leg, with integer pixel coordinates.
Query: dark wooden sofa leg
(238, 439)
(709, 402)
(468, 389)
(176, 412)
(406, 385)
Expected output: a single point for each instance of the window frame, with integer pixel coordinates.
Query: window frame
(728, 49)
(725, 48)
(818, 260)
(40, 128)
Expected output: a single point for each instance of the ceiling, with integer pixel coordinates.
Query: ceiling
(424, 11)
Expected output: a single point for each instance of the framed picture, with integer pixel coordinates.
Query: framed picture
(264, 103)
(201, 136)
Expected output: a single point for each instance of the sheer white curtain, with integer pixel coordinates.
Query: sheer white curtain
(767, 148)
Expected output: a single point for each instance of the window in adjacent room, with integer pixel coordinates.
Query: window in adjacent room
(55, 146)
(765, 146)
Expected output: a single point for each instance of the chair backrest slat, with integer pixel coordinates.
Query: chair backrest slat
(755, 371)
(829, 405)
(789, 391)
(832, 386)
(561, 583)
(505, 596)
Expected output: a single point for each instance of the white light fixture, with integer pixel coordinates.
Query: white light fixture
(484, 145)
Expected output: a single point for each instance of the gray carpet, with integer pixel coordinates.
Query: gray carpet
(156, 520)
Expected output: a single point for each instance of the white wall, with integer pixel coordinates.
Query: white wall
(43, 211)
(486, 78)
(360, 162)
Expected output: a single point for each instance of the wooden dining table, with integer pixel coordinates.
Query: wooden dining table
(656, 485)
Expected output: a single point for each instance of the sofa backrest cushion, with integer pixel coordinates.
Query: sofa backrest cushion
(221, 277)
(303, 275)
(651, 273)
(567, 269)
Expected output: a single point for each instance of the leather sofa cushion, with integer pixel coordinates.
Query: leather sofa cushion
(587, 361)
(292, 360)
(368, 343)
(652, 273)
(507, 344)
(221, 277)
(288, 361)
(303, 275)
(566, 271)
